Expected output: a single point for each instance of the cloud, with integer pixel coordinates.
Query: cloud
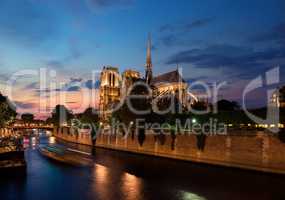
(76, 84)
(91, 85)
(24, 105)
(94, 4)
(73, 85)
(170, 40)
(228, 56)
(55, 64)
(32, 86)
(4, 77)
(74, 53)
(186, 27)
(177, 33)
(75, 79)
(277, 35)
(73, 89)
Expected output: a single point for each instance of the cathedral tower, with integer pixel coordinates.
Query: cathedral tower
(109, 90)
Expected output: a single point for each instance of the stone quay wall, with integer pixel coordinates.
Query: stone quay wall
(248, 150)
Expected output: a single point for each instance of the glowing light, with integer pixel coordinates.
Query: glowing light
(194, 120)
(102, 181)
(26, 141)
(33, 141)
(131, 186)
(52, 140)
(191, 196)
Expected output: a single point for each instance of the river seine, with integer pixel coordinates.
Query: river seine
(118, 175)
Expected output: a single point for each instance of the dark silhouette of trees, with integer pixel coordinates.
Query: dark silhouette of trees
(225, 105)
(200, 106)
(61, 115)
(90, 115)
(125, 114)
(27, 117)
(7, 111)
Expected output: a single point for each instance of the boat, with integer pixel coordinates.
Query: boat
(66, 156)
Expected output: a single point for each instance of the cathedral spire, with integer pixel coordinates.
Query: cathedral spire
(148, 75)
(148, 59)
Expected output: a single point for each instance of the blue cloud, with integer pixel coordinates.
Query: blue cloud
(186, 27)
(91, 85)
(243, 62)
(226, 56)
(110, 3)
(55, 64)
(31, 86)
(73, 88)
(177, 33)
(277, 35)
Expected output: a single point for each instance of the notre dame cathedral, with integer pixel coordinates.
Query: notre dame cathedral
(114, 86)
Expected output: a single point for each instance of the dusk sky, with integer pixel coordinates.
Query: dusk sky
(211, 40)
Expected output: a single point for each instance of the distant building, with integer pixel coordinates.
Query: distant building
(115, 86)
(278, 97)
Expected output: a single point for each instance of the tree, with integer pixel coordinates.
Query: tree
(27, 117)
(61, 115)
(225, 105)
(200, 106)
(7, 111)
(90, 115)
(125, 113)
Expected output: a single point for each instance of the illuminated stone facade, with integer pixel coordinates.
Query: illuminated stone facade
(109, 90)
(171, 83)
(129, 78)
(114, 87)
(278, 98)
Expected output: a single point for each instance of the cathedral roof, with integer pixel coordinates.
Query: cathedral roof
(169, 77)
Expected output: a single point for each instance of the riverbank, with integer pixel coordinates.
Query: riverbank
(12, 162)
(12, 155)
(256, 151)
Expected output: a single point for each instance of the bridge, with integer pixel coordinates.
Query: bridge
(29, 126)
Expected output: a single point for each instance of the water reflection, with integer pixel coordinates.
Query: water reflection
(190, 196)
(101, 181)
(131, 186)
(51, 140)
(158, 179)
(26, 143)
(34, 141)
